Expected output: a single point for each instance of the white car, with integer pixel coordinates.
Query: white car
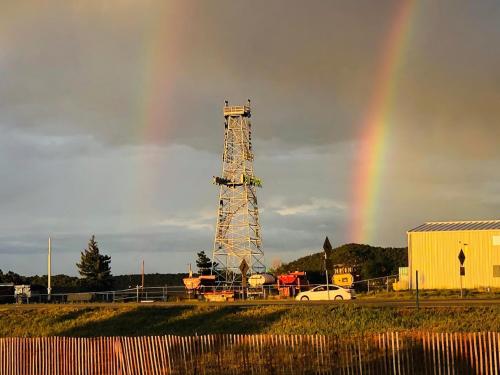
(321, 293)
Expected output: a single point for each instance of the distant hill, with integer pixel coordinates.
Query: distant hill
(372, 261)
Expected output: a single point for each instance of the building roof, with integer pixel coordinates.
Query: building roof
(448, 226)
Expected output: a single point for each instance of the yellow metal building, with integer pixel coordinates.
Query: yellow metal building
(433, 250)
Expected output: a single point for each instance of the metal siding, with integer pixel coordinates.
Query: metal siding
(410, 257)
(457, 226)
(435, 256)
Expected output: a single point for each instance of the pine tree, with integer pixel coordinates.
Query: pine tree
(204, 263)
(94, 267)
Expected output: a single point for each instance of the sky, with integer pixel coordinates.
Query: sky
(111, 123)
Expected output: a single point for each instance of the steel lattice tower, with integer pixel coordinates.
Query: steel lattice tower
(237, 235)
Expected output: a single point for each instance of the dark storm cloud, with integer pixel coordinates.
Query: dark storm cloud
(83, 70)
(310, 69)
(79, 82)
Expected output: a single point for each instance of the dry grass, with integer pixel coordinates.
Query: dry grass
(134, 320)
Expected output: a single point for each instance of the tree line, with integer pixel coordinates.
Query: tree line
(94, 269)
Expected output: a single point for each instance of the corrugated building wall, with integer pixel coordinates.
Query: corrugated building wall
(433, 250)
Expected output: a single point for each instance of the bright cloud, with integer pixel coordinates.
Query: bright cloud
(315, 205)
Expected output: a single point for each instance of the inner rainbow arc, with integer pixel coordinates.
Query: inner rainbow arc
(368, 174)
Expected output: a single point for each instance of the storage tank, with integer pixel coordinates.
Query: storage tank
(261, 279)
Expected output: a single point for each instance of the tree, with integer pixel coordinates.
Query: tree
(204, 263)
(94, 267)
(12, 277)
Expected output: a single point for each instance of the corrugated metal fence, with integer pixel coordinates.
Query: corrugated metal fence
(386, 353)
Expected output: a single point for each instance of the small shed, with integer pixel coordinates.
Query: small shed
(434, 249)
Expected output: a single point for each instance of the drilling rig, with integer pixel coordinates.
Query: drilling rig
(237, 246)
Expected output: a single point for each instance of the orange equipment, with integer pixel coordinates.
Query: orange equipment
(292, 283)
(194, 283)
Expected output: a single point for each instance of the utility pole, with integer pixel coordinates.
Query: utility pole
(327, 281)
(327, 247)
(142, 274)
(49, 272)
(416, 279)
(461, 287)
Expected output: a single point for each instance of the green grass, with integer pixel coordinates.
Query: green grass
(433, 294)
(131, 319)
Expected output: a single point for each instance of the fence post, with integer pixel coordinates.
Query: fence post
(137, 293)
(395, 353)
(416, 277)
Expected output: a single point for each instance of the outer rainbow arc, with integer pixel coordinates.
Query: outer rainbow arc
(367, 178)
(162, 48)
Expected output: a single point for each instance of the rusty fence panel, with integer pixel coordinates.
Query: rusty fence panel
(384, 353)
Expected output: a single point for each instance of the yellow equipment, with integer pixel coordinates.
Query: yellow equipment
(343, 279)
(345, 275)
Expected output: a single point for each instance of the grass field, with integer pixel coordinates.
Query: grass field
(132, 319)
(433, 293)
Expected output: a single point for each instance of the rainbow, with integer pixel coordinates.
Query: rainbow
(163, 46)
(367, 176)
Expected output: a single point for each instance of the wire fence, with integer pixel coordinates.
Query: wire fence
(138, 294)
(179, 292)
(384, 353)
(378, 284)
